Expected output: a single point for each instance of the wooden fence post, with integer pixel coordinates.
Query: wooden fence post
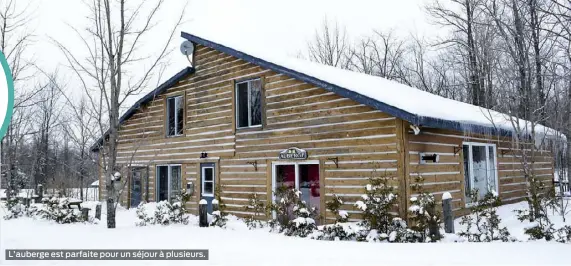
(202, 213)
(98, 211)
(447, 213)
(85, 214)
(26, 201)
(40, 192)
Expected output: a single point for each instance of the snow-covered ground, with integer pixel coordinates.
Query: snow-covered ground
(239, 246)
(91, 193)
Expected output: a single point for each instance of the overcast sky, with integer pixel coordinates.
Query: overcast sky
(286, 26)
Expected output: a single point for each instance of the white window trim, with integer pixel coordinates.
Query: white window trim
(249, 92)
(471, 166)
(176, 118)
(202, 174)
(169, 180)
(296, 185)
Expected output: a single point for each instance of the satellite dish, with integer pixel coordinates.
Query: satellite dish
(187, 48)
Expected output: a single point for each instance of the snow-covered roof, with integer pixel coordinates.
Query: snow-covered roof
(418, 107)
(95, 184)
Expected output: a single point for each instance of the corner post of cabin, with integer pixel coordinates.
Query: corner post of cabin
(269, 186)
(403, 159)
(322, 203)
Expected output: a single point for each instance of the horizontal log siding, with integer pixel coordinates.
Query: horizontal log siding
(448, 174)
(325, 125)
(301, 115)
(297, 114)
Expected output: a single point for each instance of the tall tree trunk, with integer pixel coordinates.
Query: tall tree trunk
(535, 27)
(474, 80)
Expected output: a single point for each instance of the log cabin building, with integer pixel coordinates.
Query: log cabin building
(245, 123)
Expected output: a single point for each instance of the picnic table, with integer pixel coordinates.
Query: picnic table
(74, 202)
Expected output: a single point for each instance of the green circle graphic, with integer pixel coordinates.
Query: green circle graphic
(10, 84)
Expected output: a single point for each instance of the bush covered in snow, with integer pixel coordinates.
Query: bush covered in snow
(483, 225)
(334, 206)
(336, 232)
(293, 217)
(58, 210)
(14, 208)
(163, 212)
(286, 199)
(218, 217)
(304, 223)
(540, 225)
(340, 230)
(258, 208)
(563, 234)
(378, 205)
(424, 215)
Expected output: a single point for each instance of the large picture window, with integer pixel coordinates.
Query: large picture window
(249, 103)
(168, 182)
(480, 171)
(175, 119)
(303, 176)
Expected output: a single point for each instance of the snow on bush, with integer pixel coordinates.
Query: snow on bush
(163, 212)
(258, 210)
(218, 219)
(424, 215)
(540, 225)
(563, 234)
(15, 209)
(483, 225)
(337, 232)
(335, 207)
(58, 210)
(303, 224)
(378, 206)
(293, 217)
(341, 229)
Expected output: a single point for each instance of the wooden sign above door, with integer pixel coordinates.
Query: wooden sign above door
(293, 154)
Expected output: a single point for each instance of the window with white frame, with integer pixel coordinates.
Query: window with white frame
(249, 103)
(175, 119)
(168, 182)
(480, 170)
(208, 181)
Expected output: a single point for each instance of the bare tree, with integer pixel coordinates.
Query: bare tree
(111, 41)
(380, 55)
(330, 46)
(46, 119)
(462, 17)
(15, 37)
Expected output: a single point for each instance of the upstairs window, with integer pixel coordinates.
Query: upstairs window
(249, 104)
(175, 120)
(480, 169)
